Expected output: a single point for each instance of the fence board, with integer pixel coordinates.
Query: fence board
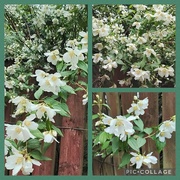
(151, 118)
(168, 101)
(71, 145)
(47, 167)
(114, 102)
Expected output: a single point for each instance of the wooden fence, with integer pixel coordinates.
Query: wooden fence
(68, 156)
(161, 107)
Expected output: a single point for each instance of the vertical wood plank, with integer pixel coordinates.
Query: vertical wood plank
(126, 100)
(47, 167)
(71, 145)
(113, 101)
(151, 118)
(168, 105)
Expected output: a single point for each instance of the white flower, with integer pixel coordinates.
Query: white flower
(98, 46)
(85, 37)
(109, 64)
(167, 126)
(148, 160)
(18, 132)
(18, 161)
(140, 7)
(14, 163)
(139, 74)
(136, 159)
(49, 136)
(141, 40)
(49, 82)
(29, 123)
(97, 57)
(148, 52)
(53, 56)
(43, 110)
(138, 108)
(137, 24)
(52, 83)
(131, 47)
(139, 160)
(85, 99)
(72, 57)
(120, 127)
(163, 134)
(165, 71)
(104, 31)
(9, 84)
(23, 105)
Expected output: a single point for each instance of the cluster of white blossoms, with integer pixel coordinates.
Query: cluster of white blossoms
(119, 126)
(49, 82)
(137, 108)
(139, 34)
(38, 111)
(100, 28)
(139, 74)
(164, 71)
(22, 132)
(139, 160)
(166, 129)
(75, 54)
(109, 64)
(19, 160)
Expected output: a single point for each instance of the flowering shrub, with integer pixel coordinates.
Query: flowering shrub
(45, 54)
(127, 134)
(138, 41)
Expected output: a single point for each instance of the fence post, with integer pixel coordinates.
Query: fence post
(168, 102)
(71, 145)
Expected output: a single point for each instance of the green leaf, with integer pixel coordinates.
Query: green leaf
(120, 62)
(115, 144)
(95, 116)
(57, 130)
(12, 142)
(62, 107)
(59, 66)
(37, 134)
(38, 155)
(82, 65)
(103, 137)
(33, 143)
(159, 145)
(82, 83)
(66, 73)
(105, 145)
(45, 147)
(141, 141)
(38, 93)
(148, 130)
(133, 144)
(106, 106)
(139, 123)
(125, 160)
(68, 89)
(41, 125)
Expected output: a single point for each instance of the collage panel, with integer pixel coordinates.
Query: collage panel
(134, 133)
(46, 70)
(134, 45)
